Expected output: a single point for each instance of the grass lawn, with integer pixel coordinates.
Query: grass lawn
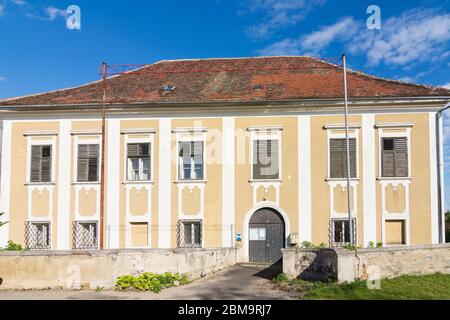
(427, 287)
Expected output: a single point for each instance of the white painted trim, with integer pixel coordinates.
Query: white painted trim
(369, 174)
(261, 205)
(85, 132)
(137, 131)
(228, 181)
(113, 186)
(130, 218)
(165, 182)
(304, 179)
(189, 130)
(40, 133)
(339, 126)
(265, 128)
(433, 179)
(64, 159)
(351, 135)
(190, 136)
(381, 135)
(394, 125)
(5, 181)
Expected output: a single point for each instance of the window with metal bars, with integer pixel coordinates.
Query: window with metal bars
(338, 158)
(394, 157)
(41, 164)
(37, 235)
(191, 166)
(190, 234)
(85, 235)
(266, 159)
(138, 155)
(340, 231)
(88, 161)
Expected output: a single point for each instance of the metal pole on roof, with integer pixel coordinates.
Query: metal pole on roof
(347, 145)
(102, 166)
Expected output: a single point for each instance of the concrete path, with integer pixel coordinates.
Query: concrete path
(238, 282)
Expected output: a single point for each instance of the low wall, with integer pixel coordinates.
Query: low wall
(310, 264)
(89, 269)
(348, 265)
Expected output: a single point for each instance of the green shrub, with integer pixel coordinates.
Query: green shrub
(148, 281)
(281, 277)
(13, 246)
(306, 245)
(379, 244)
(371, 244)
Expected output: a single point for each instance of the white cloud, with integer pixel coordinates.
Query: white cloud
(18, 2)
(53, 13)
(314, 42)
(446, 85)
(279, 14)
(407, 79)
(414, 36)
(2, 9)
(2, 79)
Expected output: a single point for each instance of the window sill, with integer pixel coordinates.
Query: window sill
(265, 180)
(40, 183)
(341, 179)
(138, 182)
(85, 182)
(190, 181)
(394, 178)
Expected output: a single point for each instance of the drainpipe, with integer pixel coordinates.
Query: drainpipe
(440, 172)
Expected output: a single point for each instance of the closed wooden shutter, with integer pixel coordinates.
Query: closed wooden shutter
(338, 158)
(41, 164)
(394, 157)
(87, 167)
(401, 157)
(133, 150)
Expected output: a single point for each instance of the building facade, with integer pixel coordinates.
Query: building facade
(223, 152)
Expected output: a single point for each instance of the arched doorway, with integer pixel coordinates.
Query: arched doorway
(266, 236)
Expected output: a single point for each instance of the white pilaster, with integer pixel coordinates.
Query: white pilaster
(64, 157)
(228, 186)
(164, 182)
(5, 181)
(369, 179)
(433, 180)
(304, 178)
(113, 187)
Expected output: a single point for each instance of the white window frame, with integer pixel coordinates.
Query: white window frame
(94, 139)
(266, 133)
(355, 231)
(334, 135)
(134, 137)
(381, 136)
(88, 221)
(43, 141)
(190, 135)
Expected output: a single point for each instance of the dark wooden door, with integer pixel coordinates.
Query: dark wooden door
(266, 236)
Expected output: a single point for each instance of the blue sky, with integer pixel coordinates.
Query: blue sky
(38, 53)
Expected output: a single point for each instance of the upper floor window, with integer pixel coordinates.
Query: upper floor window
(138, 158)
(41, 164)
(394, 157)
(266, 164)
(338, 158)
(191, 166)
(87, 165)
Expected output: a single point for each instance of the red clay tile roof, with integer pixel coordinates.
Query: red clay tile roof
(229, 80)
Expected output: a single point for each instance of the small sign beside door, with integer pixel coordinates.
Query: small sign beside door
(258, 234)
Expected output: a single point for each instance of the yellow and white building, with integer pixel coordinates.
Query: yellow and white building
(223, 152)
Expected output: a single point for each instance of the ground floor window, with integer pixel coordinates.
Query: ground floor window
(190, 234)
(340, 232)
(85, 235)
(37, 235)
